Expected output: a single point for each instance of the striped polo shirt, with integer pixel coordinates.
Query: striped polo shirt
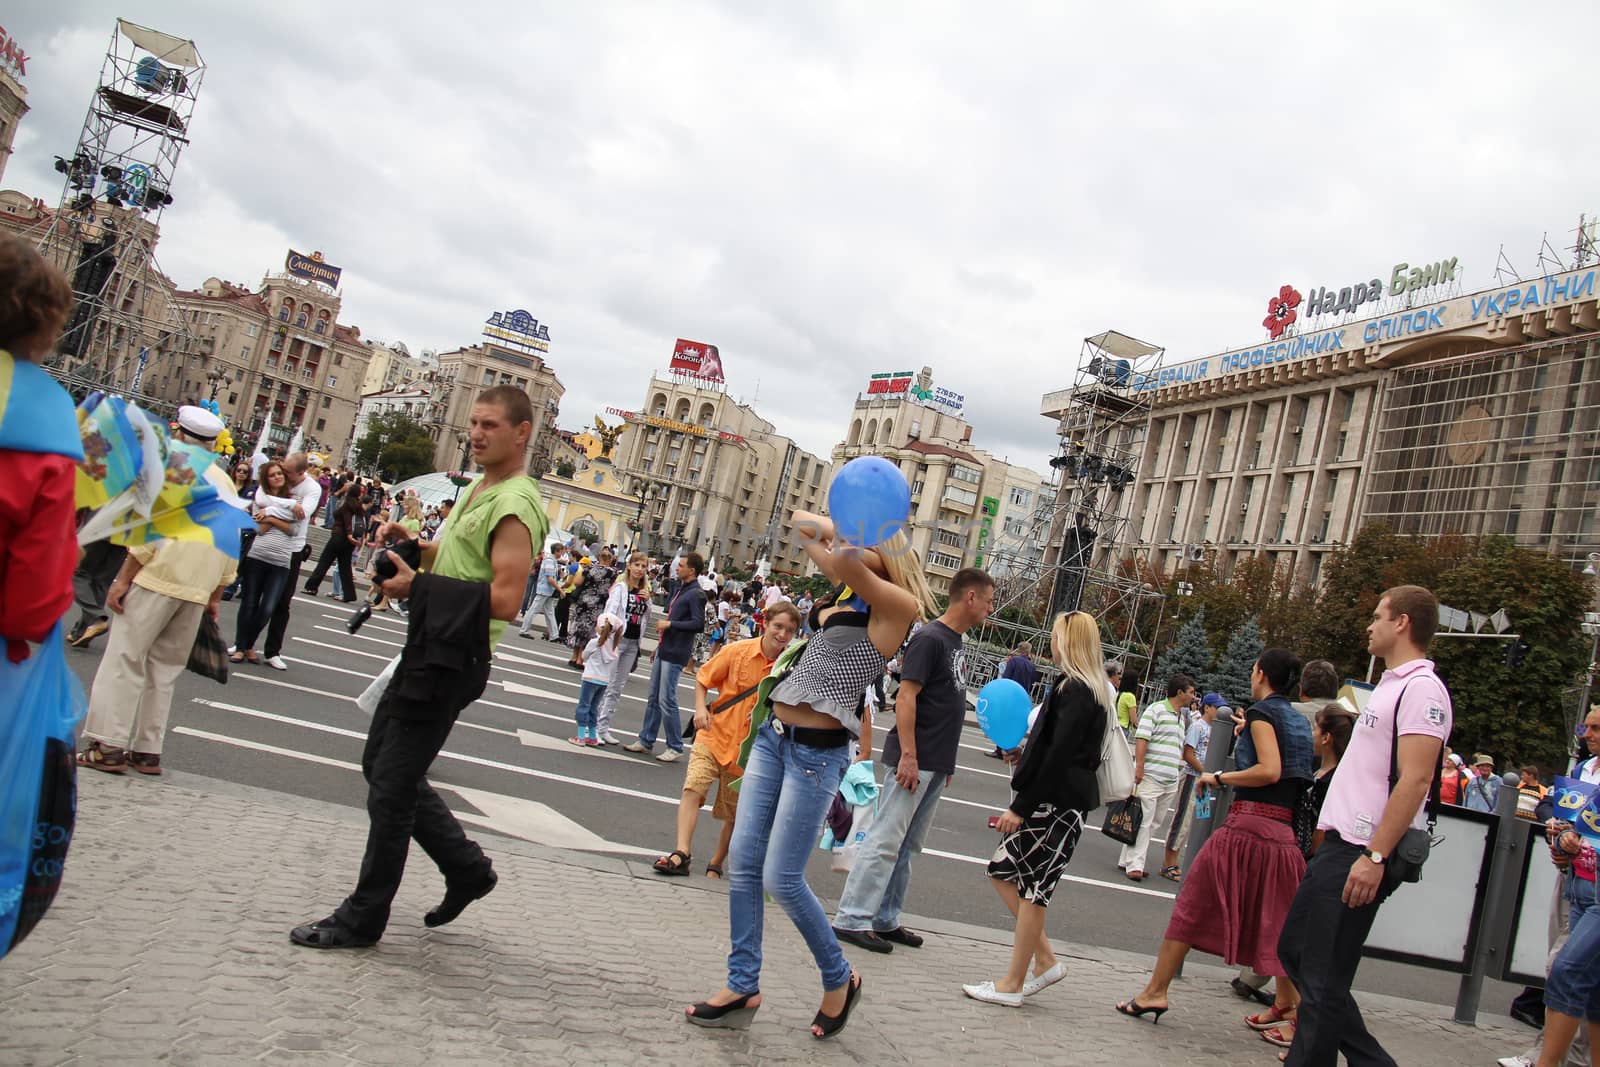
(1162, 728)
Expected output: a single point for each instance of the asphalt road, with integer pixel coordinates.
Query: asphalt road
(508, 768)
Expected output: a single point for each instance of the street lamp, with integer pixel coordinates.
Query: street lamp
(216, 376)
(645, 492)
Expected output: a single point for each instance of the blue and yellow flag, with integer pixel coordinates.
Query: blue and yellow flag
(35, 412)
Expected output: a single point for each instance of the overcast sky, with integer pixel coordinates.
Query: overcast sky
(829, 190)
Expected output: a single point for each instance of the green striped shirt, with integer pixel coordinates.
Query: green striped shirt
(1161, 727)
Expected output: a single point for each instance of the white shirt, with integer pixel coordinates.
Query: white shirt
(306, 494)
(772, 596)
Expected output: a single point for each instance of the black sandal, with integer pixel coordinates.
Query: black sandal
(675, 865)
(734, 1015)
(714, 870)
(832, 1024)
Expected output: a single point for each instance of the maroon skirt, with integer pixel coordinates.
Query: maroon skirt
(1236, 896)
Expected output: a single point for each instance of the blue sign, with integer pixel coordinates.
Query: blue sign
(312, 268)
(518, 329)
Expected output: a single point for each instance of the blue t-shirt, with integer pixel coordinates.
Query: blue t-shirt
(1199, 739)
(549, 577)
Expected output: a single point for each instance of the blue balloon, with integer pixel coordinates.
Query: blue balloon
(869, 501)
(1003, 708)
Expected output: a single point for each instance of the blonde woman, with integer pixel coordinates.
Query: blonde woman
(797, 757)
(1055, 787)
(628, 600)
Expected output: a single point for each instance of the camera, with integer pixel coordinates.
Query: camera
(383, 569)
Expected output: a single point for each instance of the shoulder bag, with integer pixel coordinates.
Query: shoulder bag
(1405, 865)
(689, 728)
(1114, 776)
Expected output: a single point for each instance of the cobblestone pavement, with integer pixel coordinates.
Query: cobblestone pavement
(169, 944)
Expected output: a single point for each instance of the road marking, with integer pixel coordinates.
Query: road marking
(555, 744)
(546, 775)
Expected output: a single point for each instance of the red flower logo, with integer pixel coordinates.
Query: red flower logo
(1280, 311)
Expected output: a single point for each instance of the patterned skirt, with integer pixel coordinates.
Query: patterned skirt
(1034, 856)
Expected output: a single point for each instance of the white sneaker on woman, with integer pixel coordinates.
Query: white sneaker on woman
(1042, 981)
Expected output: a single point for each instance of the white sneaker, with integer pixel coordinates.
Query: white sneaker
(1042, 981)
(277, 663)
(609, 738)
(1515, 1061)
(635, 746)
(232, 649)
(986, 992)
(671, 755)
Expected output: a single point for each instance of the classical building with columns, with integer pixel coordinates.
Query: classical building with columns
(1475, 414)
(709, 474)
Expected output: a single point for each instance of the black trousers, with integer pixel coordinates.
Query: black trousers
(280, 614)
(92, 579)
(402, 807)
(338, 549)
(1320, 947)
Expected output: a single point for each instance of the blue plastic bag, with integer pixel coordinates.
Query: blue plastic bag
(41, 704)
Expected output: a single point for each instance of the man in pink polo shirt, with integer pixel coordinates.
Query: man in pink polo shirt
(1378, 794)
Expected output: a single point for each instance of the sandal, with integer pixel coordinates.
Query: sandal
(1172, 874)
(676, 864)
(145, 762)
(1269, 1019)
(832, 1024)
(734, 1015)
(1278, 1036)
(714, 870)
(103, 758)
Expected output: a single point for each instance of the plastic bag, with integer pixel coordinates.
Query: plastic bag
(41, 704)
(861, 821)
(1122, 820)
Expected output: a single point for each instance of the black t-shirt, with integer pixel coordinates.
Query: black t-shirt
(638, 607)
(935, 659)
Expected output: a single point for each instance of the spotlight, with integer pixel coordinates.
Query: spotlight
(111, 173)
(115, 193)
(82, 202)
(62, 165)
(156, 198)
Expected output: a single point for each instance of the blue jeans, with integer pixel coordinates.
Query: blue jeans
(588, 701)
(875, 891)
(783, 797)
(663, 704)
(261, 585)
(1573, 988)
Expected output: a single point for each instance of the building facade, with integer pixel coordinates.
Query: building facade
(1473, 414)
(392, 366)
(465, 372)
(13, 105)
(711, 475)
(277, 351)
(963, 500)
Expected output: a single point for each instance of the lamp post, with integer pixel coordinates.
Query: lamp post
(645, 492)
(216, 376)
(466, 448)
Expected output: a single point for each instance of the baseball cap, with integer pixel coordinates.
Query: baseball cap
(1213, 700)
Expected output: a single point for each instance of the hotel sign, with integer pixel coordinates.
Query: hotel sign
(12, 57)
(890, 382)
(312, 268)
(518, 329)
(674, 425)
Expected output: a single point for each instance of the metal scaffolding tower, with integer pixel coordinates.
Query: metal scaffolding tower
(115, 186)
(1102, 419)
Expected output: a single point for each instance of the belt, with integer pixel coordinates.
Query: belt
(813, 736)
(1265, 811)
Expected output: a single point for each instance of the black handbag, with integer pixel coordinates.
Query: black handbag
(1123, 819)
(209, 656)
(1404, 864)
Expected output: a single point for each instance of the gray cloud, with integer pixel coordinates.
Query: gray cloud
(829, 190)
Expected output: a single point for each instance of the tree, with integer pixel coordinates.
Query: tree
(1232, 676)
(566, 469)
(395, 444)
(1189, 654)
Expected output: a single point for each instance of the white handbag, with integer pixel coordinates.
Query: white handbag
(1115, 773)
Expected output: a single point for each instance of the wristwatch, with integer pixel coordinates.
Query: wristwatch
(1374, 855)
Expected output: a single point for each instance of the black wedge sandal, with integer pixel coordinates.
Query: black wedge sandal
(734, 1015)
(832, 1024)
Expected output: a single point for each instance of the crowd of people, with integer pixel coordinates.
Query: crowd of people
(1325, 804)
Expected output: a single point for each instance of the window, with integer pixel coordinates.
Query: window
(283, 314)
(970, 475)
(1338, 449)
(322, 424)
(272, 362)
(233, 398)
(321, 327)
(244, 353)
(300, 319)
(952, 539)
(327, 402)
(1020, 497)
(488, 377)
(944, 560)
(338, 361)
(916, 487)
(1349, 405)
(960, 496)
(333, 383)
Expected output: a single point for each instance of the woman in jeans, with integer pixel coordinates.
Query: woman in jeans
(797, 757)
(264, 571)
(1055, 787)
(1238, 892)
(1572, 991)
(349, 527)
(628, 600)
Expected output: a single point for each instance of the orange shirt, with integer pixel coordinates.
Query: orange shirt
(735, 668)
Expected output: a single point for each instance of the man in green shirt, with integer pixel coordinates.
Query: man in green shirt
(475, 574)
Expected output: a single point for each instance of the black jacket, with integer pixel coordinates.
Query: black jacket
(1062, 754)
(686, 619)
(445, 663)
